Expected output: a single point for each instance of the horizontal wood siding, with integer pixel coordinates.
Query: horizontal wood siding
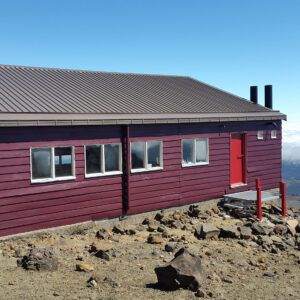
(264, 160)
(177, 185)
(25, 206)
(28, 206)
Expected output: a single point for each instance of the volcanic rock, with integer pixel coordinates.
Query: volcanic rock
(103, 254)
(118, 229)
(229, 232)
(155, 239)
(194, 211)
(102, 234)
(280, 229)
(292, 224)
(84, 268)
(207, 231)
(93, 281)
(184, 271)
(159, 216)
(260, 229)
(200, 294)
(246, 232)
(170, 247)
(40, 259)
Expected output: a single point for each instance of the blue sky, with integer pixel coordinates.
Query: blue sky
(231, 44)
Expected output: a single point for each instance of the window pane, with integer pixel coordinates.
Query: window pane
(154, 159)
(41, 163)
(260, 134)
(201, 151)
(137, 155)
(112, 155)
(93, 159)
(63, 161)
(187, 151)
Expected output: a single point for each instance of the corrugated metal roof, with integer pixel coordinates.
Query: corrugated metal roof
(33, 90)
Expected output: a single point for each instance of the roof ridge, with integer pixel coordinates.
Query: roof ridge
(89, 71)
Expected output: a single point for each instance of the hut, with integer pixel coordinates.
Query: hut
(80, 145)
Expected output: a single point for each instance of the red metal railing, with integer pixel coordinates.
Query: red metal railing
(258, 201)
(282, 190)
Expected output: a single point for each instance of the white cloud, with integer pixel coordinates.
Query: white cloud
(291, 141)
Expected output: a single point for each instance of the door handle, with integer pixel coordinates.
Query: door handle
(240, 156)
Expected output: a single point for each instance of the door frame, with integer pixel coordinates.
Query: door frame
(245, 158)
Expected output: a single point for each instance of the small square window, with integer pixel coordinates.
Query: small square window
(260, 134)
(146, 156)
(273, 134)
(194, 152)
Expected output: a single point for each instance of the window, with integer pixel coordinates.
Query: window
(194, 152)
(52, 163)
(146, 156)
(273, 134)
(260, 134)
(103, 160)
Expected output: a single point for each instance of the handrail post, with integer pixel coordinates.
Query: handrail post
(258, 199)
(282, 188)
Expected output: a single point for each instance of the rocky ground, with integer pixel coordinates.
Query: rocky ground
(241, 258)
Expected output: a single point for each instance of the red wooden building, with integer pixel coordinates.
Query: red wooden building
(80, 145)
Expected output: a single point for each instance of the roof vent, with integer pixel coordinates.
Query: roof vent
(253, 94)
(268, 96)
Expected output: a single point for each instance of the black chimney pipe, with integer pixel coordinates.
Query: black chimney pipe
(268, 96)
(253, 94)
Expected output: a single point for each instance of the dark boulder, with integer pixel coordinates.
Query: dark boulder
(184, 271)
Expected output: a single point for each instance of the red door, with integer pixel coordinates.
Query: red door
(237, 159)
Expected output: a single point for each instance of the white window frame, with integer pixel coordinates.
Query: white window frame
(273, 134)
(260, 135)
(53, 178)
(194, 163)
(103, 172)
(146, 166)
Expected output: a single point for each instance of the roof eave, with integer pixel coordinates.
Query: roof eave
(37, 119)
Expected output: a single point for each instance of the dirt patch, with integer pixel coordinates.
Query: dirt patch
(263, 267)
